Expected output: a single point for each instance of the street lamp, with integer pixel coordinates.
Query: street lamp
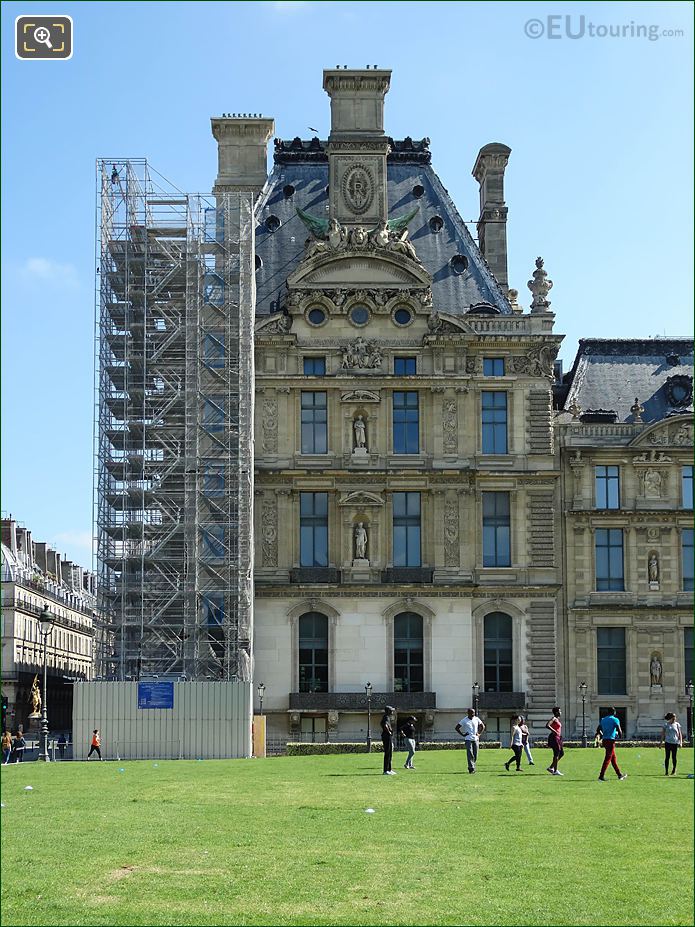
(582, 691)
(368, 690)
(689, 690)
(261, 690)
(46, 621)
(476, 690)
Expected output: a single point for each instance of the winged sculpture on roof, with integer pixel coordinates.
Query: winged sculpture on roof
(329, 235)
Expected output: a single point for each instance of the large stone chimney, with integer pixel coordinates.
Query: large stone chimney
(242, 146)
(357, 146)
(492, 225)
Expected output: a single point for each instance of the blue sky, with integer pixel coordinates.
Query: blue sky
(599, 181)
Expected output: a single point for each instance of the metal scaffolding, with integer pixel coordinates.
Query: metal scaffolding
(174, 435)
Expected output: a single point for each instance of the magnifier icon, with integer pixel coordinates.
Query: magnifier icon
(43, 36)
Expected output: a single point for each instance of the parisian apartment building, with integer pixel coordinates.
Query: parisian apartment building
(338, 455)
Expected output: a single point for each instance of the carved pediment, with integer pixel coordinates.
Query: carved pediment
(360, 395)
(441, 323)
(361, 498)
(676, 432)
(359, 269)
(278, 324)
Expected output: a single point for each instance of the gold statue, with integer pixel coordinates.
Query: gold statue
(35, 695)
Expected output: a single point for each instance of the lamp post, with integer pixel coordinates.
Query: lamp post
(689, 690)
(368, 691)
(476, 690)
(261, 691)
(582, 691)
(46, 621)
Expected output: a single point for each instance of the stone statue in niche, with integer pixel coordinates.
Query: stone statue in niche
(655, 669)
(653, 569)
(652, 484)
(360, 432)
(361, 541)
(35, 696)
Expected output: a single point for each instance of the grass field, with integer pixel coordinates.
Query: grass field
(288, 841)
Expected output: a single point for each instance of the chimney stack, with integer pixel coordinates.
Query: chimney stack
(242, 147)
(492, 225)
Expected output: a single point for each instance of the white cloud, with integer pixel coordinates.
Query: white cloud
(46, 270)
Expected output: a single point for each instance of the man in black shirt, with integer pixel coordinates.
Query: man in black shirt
(387, 739)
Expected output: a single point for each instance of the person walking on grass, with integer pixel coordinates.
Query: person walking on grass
(517, 744)
(6, 747)
(96, 744)
(470, 728)
(671, 739)
(609, 729)
(408, 732)
(18, 747)
(555, 741)
(525, 742)
(387, 739)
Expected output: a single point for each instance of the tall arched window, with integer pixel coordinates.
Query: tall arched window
(408, 661)
(499, 675)
(313, 652)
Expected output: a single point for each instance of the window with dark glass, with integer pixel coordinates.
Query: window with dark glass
(212, 543)
(405, 366)
(609, 560)
(313, 652)
(213, 349)
(313, 529)
(497, 633)
(212, 606)
(607, 483)
(406, 422)
(611, 661)
(408, 660)
(213, 479)
(314, 423)
(494, 412)
(493, 366)
(688, 654)
(314, 366)
(406, 529)
(213, 414)
(497, 549)
(687, 556)
(687, 486)
(620, 714)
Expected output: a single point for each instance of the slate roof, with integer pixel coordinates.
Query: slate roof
(303, 165)
(608, 373)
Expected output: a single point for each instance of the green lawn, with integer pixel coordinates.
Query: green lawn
(287, 841)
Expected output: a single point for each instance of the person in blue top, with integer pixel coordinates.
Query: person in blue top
(609, 729)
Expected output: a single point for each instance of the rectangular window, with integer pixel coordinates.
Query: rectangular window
(212, 543)
(607, 482)
(213, 480)
(213, 350)
(314, 366)
(313, 529)
(406, 422)
(497, 551)
(213, 414)
(687, 487)
(493, 366)
(406, 529)
(405, 366)
(688, 654)
(494, 411)
(314, 423)
(212, 606)
(687, 556)
(610, 661)
(609, 560)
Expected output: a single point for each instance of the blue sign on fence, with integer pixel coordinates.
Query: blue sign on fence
(155, 695)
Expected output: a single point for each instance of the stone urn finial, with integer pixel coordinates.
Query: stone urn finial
(540, 286)
(637, 411)
(513, 297)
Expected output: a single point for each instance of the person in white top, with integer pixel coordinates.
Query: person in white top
(517, 744)
(525, 742)
(672, 739)
(470, 728)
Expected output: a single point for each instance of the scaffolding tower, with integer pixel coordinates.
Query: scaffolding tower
(174, 426)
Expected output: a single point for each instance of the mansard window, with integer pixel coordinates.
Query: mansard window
(493, 366)
(688, 653)
(313, 652)
(405, 366)
(408, 659)
(406, 422)
(314, 366)
(687, 558)
(406, 529)
(687, 486)
(611, 661)
(497, 631)
(609, 560)
(314, 423)
(496, 530)
(313, 529)
(607, 481)
(494, 412)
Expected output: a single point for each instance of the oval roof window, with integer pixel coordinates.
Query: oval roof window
(436, 223)
(418, 190)
(272, 223)
(459, 263)
(288, 189)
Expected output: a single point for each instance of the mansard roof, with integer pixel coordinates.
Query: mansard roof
(438, 233)
(609, 373)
